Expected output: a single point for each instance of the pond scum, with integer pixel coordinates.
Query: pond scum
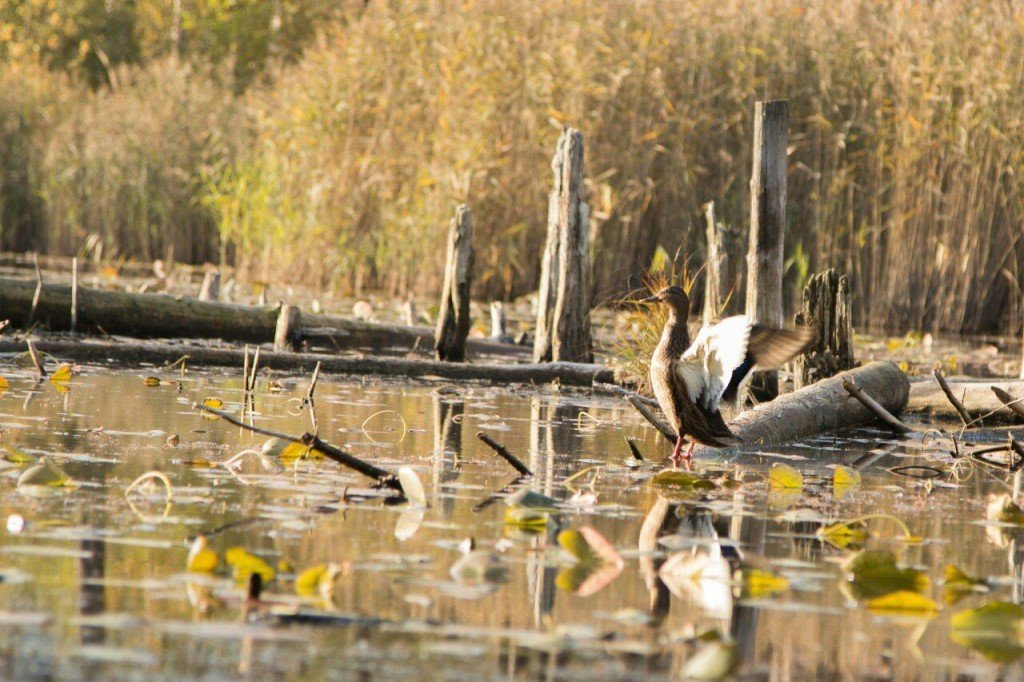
(146, 537)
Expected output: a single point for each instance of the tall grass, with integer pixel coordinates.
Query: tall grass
(906, 147)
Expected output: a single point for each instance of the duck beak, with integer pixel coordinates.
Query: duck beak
(650, 299)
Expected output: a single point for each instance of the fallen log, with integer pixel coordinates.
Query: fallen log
(116, 353)
(928, 399)
(820, 408)
(165, 316)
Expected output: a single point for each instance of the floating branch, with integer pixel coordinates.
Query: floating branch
(965, 417)
(382, 476)
(502, 452)
(637, 455)
(894, 424)
(35, 358)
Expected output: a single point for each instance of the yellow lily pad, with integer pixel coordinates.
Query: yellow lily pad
(904, 603)
(842, 535)
(151, 382)
(245, 564)
(757, 584)
(785, 477)
(201, 559)
(526, 518)
(993, 630)
(876, 573)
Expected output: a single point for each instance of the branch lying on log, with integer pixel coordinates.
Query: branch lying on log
(1012, 404)
(820, 408)
(884, 416)
(965, 417)
(165, 316)
(566, 373)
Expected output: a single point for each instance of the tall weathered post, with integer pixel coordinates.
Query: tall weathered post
(767, 224)
(827, 308)
(723, 269)
(453, 316)
(563, 306)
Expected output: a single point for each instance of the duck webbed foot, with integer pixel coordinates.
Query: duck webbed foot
(678, 456)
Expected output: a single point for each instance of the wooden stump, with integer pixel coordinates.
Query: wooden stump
(767, 223)
(453, 316)
(563, 306)
(288, 332)
(210, 288)
(827, 308)
(723, 270)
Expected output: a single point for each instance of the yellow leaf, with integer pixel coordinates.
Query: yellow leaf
(904, 603)
(757, 584)
(588, 546)
(16, 455)
(4, 385)
(785, 476)
(875, 573)
(959, 584)
(845, 476)
(1002, 509)
(245, 564)
(526, 518)
(316, 581)
(151, 382)
(213, 403)
(44, 474)
(201, 559)
(992, 629)
(62, 374)
(842, 535)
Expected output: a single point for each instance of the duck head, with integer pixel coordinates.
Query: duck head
(674, 297)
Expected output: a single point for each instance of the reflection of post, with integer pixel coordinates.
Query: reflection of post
(447, 449)
(660, 520)
(540, 577)
(91, 596)
(552, 435)
(749, 532)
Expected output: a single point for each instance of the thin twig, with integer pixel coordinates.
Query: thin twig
(35, 358)
(38, 294)
(505, 454)
(965, 416)
(382, 476)
(894, 424)
(255, 369)
(309, 397)
(652, 418)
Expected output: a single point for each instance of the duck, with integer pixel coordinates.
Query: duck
(692, 379)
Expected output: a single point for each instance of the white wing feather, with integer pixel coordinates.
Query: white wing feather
(707, 365)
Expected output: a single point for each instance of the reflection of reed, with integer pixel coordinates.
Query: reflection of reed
(660, 520)
(447, 450)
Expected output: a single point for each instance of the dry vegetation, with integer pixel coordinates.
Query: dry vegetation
(342, 164)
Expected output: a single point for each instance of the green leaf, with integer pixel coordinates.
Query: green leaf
(875, 573)
(994, 630)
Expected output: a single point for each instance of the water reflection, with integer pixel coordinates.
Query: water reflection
(104, 577)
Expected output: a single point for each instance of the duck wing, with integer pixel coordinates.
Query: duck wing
(723, 355)
(703, 424)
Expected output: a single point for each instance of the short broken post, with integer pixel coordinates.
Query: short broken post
(563, 305)
(453, 316)
(827, 306)
(210, 288)
(288, 333)
(767, 224)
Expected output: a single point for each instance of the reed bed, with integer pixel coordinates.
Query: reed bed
(342, 167)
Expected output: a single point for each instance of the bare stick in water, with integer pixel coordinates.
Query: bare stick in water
(500, 450)
(309, 397)
(894, 424)
(382, 476)
(637, 455)
(38, 294)
(655, 421)
(74, 296)
(965, 417)
(32, 353)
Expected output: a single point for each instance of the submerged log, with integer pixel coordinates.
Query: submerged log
(120, 354)
(165, 316)
(827, 306)
(767, 224)
(563, 305)
(928, 399)
(820, 408)
(453, 315)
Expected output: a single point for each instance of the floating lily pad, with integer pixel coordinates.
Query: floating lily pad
(904, 603)
(843, 535)
(994, 630)
(875, 573)
(786, 477)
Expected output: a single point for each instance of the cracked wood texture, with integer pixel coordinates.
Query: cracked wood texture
(453, 317)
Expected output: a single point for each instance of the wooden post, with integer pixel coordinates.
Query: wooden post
(210, 288)
(767, 223)
(289, 328)
(563, 306)
(826, 307)
(74, 296)
(453, 316)
(409, 311)
(498, 326)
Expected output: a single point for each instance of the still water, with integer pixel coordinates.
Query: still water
(94, 582)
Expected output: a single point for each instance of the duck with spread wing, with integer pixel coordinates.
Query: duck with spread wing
(690, 380)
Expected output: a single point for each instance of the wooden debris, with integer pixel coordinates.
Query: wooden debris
(965, 417)
(767, 224)
(653, 419)
(563, 306)
(74, 296)
(32, 353)
(565, 373)
(827, 306)
(722, 270)
(502, 452)
(209, 290)
(453, 316)
(886, 417)
(1012, 404)
(288, 331)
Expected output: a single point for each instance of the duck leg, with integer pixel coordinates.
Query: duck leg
(677, 454)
